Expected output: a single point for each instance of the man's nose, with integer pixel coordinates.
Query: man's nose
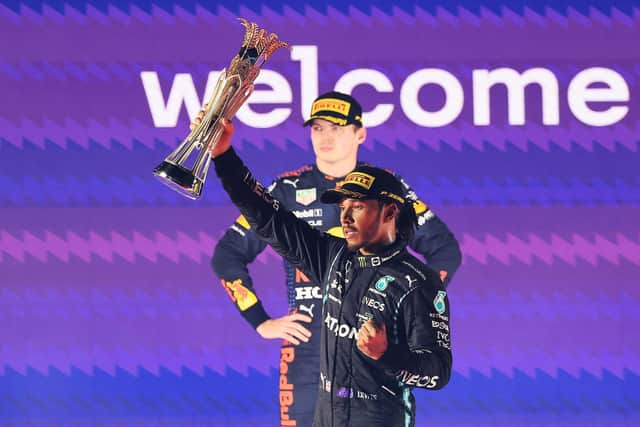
(326, 136)
(345, 216)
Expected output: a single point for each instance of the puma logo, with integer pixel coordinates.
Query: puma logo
(293, 183)
(307, 309)
(411, 280)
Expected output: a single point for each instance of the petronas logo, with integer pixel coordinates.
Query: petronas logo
(438, 302)
(383, 282)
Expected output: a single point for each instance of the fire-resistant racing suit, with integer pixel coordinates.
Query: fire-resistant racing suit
(299, 191)
(395, 288)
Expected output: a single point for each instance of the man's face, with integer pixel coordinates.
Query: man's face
(361, 221)
(334, 144)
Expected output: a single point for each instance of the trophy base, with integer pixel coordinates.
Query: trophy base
(180, 179)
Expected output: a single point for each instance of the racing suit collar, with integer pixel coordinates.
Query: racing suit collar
(318, 172)
(373, 261)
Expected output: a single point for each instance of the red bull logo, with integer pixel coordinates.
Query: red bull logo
(285, 388)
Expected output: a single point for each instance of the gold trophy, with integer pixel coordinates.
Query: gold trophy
(234, 86)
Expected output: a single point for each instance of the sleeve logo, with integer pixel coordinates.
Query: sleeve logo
(438, 302)
(239, 294)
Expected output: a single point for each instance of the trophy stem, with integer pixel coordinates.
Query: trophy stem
(232, 89)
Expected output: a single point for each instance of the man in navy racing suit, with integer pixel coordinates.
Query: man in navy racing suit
(335, 138)
(386, 315)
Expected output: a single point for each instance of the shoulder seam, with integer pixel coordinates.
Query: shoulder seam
(296, 172)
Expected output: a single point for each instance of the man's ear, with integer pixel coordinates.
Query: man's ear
(361, 135)
(391, 212)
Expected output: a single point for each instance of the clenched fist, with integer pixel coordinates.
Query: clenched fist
(225, 138)
(372, 339)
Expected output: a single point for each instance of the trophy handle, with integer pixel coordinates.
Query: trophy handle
(232, 89)
(203, 138)
(201, 165)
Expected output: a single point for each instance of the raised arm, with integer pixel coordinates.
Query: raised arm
(294, 239)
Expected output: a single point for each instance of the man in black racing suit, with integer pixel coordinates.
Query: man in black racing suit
(299, 191)
(386, 315)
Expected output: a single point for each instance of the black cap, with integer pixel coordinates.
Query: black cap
(338, 108)
(366, 182)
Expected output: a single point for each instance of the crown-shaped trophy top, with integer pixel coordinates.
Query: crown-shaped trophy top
(258, 45)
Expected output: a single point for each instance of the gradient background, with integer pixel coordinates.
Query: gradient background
(109, 312)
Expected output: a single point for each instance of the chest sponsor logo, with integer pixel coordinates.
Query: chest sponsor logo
(301, 277)
(410, 280)
(416, 380)
(308, 292)
(438, 302)
(306, 196)
(375, 304)
(382, 283)
(308, 213)
(375, 261)
(341, 330)
(291, 182)
(308, 310)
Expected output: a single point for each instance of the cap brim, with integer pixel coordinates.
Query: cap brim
(336, 194)
(334, 120)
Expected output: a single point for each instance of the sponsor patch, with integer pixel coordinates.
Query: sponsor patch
(419, 207)
(438, 302)
(241, 220)
(331, 104)
(360, 179)
(306, 196)
(412, 379)
(239, 294)
(383, 282)
(286, 388)
(372, 303)
(308, 213)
